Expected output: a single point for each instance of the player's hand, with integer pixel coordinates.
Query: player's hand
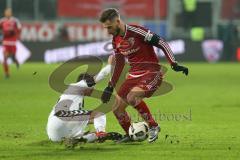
(179, 68)
(107, 93)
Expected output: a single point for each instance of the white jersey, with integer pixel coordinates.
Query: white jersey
(72, 99)
(58, 128)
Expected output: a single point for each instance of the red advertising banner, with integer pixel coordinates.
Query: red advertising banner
(128, 8)
(86, 32)
(45, 32)
(79, 8)
(231, 9)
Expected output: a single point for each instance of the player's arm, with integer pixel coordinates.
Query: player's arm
(157, 41)
(90, 81)
(105, 71)
(119, 62)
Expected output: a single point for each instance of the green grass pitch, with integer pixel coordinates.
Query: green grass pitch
(199, 118)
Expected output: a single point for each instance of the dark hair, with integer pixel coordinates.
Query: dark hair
(89, 79)
(108, 14)
(84, 76)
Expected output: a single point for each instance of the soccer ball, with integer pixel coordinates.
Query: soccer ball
(138, 131)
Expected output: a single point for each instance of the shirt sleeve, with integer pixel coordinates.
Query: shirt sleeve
(117, 69)
(153, 39)
(103, 73)
(161, 43)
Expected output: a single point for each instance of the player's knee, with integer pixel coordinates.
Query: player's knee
(119, 105)
(119, 110)
(131, 99)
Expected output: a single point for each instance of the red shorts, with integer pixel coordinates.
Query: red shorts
(9, 49)
(148, 82)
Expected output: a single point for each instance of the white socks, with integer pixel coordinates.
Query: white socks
(100, 123)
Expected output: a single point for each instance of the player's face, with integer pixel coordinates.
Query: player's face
(113, 27)
(8, 13)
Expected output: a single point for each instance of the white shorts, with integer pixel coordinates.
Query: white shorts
(57, 129)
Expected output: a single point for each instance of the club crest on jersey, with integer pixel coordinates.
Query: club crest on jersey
(126, 46)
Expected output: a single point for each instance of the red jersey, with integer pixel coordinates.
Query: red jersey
(139, 53)
(11, 28)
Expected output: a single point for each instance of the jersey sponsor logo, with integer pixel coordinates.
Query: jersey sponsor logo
(126, 46)
(128, 52)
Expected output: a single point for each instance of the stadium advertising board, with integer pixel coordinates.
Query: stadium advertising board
(46, 32)
(129, 8)
(74, 31)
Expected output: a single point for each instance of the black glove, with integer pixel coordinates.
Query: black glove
(178, 68)
(107, 93)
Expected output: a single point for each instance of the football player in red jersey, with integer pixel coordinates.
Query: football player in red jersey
(135, 43)
(11, 28)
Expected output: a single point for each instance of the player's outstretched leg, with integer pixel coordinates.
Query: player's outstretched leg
(125, 139)
(100, 137)
(114, 136)
(71, 143)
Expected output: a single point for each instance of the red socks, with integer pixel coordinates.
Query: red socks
(143, 110)
(124, 120)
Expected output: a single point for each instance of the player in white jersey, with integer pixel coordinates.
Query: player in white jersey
(68, 119)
